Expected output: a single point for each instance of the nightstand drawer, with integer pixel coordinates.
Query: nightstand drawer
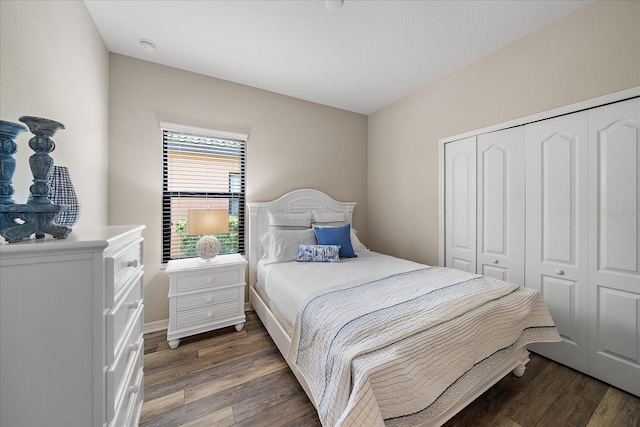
(212, 314)
(122, 314)
(209, 298)
(221, 277)
(121, 267)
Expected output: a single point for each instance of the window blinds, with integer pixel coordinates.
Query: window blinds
(201, 172)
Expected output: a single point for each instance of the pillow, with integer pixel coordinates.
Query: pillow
(282, 245)
(328, 219)
(318, 253)
(356, 243)
(336, 236)
(289, 221)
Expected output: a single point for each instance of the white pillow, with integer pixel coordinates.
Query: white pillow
(328, 219)
(356, 243)
(291, 221)
(282, 245)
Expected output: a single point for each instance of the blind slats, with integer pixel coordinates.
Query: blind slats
(201, 172)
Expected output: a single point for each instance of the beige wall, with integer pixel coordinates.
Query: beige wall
(292, 144)
(592, 52)
(54, 64)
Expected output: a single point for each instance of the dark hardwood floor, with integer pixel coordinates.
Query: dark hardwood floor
(229, 378)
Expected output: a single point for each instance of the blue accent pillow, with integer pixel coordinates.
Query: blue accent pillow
(318, 253)
(336, 236)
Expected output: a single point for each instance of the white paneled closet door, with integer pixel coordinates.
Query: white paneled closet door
(557, 228)
(501, 201)
(460, 204)
(614, 276)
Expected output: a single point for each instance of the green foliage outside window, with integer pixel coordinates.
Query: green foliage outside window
(229, 241)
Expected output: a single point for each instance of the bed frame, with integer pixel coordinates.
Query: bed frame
(307, 200)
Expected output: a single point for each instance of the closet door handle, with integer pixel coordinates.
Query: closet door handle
(559, 272)
(495, 261)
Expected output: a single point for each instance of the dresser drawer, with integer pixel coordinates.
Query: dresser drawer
(220, 277)
(120, 267)
(212, 314)
(208, 298)
(119, 318)
(127, 413)
(124, 365)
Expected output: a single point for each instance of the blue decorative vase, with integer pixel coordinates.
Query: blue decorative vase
(64, 193)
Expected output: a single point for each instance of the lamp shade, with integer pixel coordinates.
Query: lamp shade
(207, 221)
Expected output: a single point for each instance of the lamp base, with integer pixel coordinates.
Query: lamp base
(208, 247)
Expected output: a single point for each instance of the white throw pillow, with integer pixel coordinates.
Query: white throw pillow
(282, 245)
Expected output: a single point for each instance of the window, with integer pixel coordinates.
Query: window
(201, 170)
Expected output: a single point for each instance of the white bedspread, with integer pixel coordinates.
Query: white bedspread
(289, 285)
(392, 350)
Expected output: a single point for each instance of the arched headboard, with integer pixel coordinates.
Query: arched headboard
(296, 201)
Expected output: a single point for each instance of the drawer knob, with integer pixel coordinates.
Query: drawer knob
(209, 299)
(209, 315)
(559, 272)
(133, 263)
(210, 280)
(495, 261)
(134, 389)
(134, 304)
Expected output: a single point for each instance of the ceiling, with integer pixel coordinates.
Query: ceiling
(360, 57)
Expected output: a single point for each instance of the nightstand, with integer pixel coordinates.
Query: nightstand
(205, 295)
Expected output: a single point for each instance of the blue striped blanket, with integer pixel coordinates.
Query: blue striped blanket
(392, 350)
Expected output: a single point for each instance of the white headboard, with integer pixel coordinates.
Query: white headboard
(297, 201)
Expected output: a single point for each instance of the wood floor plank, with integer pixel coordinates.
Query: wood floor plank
(285, 411)
(568, 410)
(588, 388)
(617, 408)
(232, 379)
(154, 407)
(310, 419)
(547, 388)
(221, 418)
(228, 378)
(282, 391)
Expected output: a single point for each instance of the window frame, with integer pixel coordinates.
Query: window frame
(167, 195)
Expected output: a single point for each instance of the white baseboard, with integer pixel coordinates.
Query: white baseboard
(156, 326)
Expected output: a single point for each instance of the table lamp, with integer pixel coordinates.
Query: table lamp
(207, 222)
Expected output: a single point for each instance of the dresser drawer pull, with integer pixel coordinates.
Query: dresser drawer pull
(134, 389)
(134, 304)
(495, 261)
(210, 281)
(209, 299)
(210, 315)
(559, 272)
(133, 263)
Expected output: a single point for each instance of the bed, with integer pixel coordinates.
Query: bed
(374, 339)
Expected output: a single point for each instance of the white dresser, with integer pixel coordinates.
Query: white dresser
(71, 317)
(205, 295)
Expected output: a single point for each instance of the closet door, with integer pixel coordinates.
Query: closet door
(460, 204)
(557, 230)
(500, 249)
(614, 273)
